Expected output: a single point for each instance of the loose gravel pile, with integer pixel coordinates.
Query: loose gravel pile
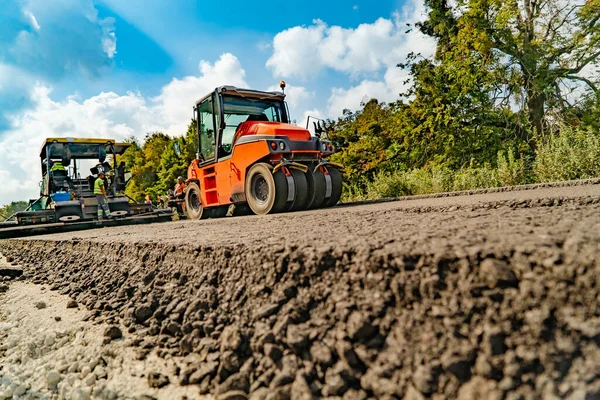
(472, 301)
(50, 349)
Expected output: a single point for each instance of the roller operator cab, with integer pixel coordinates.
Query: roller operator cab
(249, 153)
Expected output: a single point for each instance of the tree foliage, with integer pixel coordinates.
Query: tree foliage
(507, 76)
(155, 166)
(14, 207)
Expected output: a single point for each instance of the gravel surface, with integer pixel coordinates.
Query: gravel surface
(49, 350)
(494, 295)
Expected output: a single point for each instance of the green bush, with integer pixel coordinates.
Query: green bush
(353, 192)
(572, 154)
(427, 181)
(511, 171)
(399, 183)
(388, 185)
(475, 178)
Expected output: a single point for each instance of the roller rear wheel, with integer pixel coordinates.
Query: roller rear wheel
(193, 202)
(316, 188)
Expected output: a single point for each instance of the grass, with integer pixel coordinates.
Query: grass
(571, 154)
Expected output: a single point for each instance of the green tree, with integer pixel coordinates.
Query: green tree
(536, 50)
(14, 207)
(155, 166)
(144, 162)
(363, 139)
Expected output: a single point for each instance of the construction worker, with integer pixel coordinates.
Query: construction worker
(57, 166)
(179, 194)
(101, 196)
(180, 188)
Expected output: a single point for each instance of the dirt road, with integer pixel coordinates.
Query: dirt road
(487, 296)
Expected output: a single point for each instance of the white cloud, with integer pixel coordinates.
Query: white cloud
(387, 90)
(175, 102)
(366, 52)
(15, 85)
(296, 51)
(109, 39)
(264, 46)
(298, 99)
(32, 20)
(105, 115)
(57, 37)
(304, 51)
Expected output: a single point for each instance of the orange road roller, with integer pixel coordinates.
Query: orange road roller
(250, 155)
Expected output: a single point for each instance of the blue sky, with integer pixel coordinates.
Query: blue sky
(115, 68)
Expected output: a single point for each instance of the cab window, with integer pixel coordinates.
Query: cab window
(206, 128)
(237, 110)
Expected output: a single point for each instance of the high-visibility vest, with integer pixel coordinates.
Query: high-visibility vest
(57, 166)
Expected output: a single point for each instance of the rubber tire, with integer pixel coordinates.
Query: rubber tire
(301, 193)
(277, 190)
(218, 212)
(242, 209)
(336, 187)
(316, 188)
(194, 213)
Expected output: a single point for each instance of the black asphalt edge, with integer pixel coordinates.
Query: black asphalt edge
(533, 186)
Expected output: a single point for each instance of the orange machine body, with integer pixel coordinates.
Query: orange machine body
(223, 182)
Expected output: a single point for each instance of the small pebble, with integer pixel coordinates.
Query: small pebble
(90, 379)
(80, 394)
(97, 390)
(40, 305)
(85, 371)
(100, 372)
(94, 362)
(113, 332)
(52, 378)
(73, 367)
(20, 390)
(57, 318)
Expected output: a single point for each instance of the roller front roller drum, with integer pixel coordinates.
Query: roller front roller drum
(333, 193)
(300, 193)
(266, 193)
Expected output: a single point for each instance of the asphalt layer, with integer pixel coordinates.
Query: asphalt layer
(493, 295)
